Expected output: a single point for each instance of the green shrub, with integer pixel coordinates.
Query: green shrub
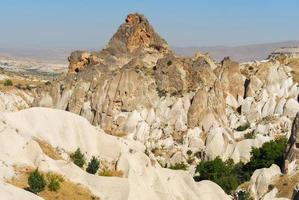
(229, 175)
(189, 152)
(54, 185)
(93, 165)
(244, 195)
(243, 127)
(178, 166)
(36, 182)
(78, 158)
(222, 173)
(54, 181)
(250, 135)
(270, 153)
(8, 82)
(169, 62)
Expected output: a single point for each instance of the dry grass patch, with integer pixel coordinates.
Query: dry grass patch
(285, 184)
(68, 190)
(49, 150)
(109, 172)
(19, 82)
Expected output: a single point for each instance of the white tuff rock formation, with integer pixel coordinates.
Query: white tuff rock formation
(143, 179)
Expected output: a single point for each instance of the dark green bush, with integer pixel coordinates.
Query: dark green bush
(229, 175)
(243, 127)
(78, 158)
(222, 173)
(244, 195)
(8, 82)
(36, 182)
(178, 166)
(189, 152)
(270, 153)
(93, 165)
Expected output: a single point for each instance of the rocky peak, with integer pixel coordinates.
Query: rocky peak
(134, 38)
(136, 33)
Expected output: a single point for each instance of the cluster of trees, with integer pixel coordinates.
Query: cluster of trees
(79, 159)
(37, 181)
(229, 175)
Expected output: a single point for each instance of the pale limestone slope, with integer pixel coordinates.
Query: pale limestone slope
(143, 178)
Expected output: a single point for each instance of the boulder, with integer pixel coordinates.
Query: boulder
(291, 107)
(261, 179)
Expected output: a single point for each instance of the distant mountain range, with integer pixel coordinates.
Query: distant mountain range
(239, 53)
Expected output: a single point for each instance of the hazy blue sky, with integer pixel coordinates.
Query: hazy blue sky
(90, 23)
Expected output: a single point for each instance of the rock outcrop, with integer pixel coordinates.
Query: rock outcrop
(134, 35)
(261, 179)
(138, 89)
(134, 38)
(78, 61)
(65, 132)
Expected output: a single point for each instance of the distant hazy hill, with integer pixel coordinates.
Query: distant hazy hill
(53, 55)
(239, 53)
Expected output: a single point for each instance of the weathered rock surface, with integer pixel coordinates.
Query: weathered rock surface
(134, 38)
(65, 132)
(138, 89)
(14, 100)
(261, 179)
(163, 110)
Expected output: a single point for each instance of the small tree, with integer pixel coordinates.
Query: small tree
(222, 173)
(78, 158)
(93, 165)
(229, 175)
(36, 182)
(270, 153)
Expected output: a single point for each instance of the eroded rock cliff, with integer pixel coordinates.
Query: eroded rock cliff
(137, 88)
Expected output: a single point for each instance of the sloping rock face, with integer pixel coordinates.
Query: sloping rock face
(138, 89)
(134, 38)
(143, 178)
(15, 100)
(134, 35)
(261, 179)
